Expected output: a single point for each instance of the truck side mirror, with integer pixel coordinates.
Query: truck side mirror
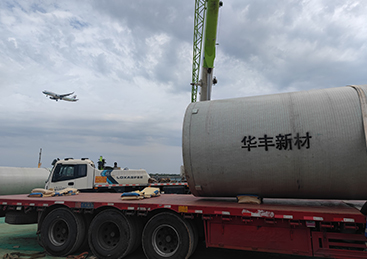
(54, 162)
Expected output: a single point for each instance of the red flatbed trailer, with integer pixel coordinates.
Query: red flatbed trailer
(173, 224)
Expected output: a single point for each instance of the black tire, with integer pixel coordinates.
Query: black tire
(112, 235)
(195, 232)
(87, 218)
(137, 230)
(166, 235)
(62, 232)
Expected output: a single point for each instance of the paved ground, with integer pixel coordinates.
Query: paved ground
(22, 238)
(19, 238)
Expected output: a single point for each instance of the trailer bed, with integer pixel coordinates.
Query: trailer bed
(291, 209)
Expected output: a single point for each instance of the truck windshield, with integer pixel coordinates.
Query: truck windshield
(68, 172)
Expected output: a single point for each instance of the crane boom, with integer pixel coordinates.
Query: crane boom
(202, 7)
(209, 49)
(210, 36)
(197, 45)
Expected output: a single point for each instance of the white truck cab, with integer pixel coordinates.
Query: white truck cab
(83, 175)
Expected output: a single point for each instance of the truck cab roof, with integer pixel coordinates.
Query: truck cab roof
(72, 161)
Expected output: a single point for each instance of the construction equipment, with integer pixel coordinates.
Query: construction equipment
(205, 10)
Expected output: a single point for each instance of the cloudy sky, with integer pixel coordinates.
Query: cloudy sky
(130, 63)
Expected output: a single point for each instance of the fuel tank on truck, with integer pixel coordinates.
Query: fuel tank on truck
(308, 144)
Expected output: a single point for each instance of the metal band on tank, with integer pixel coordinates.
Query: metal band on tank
(363, 101)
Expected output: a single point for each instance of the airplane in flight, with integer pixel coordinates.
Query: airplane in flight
(56, 97)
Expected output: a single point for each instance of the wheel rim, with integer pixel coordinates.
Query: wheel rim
(58, 232)
(109, 235)
(165, 240)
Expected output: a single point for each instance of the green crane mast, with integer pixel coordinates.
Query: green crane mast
(204, 10)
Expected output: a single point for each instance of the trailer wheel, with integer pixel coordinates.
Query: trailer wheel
(166, 235)
(195, 232)
(137, 232)
(112, 235)
(62, 232)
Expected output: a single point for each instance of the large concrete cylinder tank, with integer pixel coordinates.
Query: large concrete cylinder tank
(295, 145)
(21, 180)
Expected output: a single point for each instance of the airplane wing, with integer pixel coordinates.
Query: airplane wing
(63, 95)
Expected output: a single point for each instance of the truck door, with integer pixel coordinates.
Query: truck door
(69, 175)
